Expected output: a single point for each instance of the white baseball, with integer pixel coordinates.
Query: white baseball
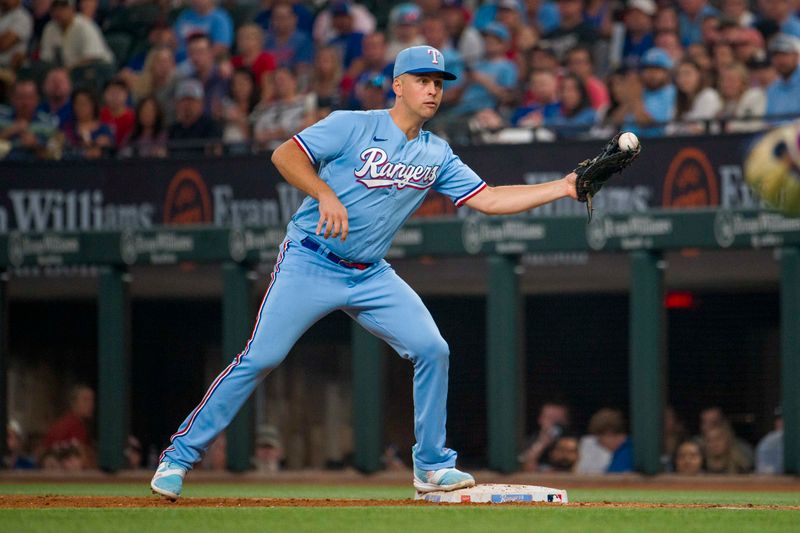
(628, 141)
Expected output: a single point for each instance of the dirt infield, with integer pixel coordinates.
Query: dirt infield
(117, 502)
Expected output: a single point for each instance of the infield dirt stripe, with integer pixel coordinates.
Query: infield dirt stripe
(45, 502)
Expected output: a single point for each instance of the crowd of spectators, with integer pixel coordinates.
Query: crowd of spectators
(606, 447)
(89, 78)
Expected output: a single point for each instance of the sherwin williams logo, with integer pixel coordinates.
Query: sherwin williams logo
(188, 201)
(690, 181)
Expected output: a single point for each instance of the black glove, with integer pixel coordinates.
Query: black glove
(593, 173)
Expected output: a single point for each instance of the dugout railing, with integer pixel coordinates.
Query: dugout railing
(644, 237)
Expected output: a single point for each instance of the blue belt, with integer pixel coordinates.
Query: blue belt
(314, 246)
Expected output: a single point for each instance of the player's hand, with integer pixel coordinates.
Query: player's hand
(569, 181)
(332, 216)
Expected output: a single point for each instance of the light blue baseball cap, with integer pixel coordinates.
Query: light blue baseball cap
(421, 60)
(656, 58)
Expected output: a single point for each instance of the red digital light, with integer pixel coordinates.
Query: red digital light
(679, 300)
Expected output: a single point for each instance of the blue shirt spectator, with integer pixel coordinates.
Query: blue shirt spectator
(622, 459)
(305, 19)
(297, 48)
(203, 17)
(782, 94)
(660, 105)
(690, 24)
(349, 45)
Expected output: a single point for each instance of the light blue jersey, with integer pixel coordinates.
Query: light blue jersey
(379, 175)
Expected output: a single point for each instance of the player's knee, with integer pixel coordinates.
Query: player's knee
(266, 361)
(434, 350)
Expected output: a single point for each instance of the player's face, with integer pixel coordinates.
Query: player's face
(420, 94)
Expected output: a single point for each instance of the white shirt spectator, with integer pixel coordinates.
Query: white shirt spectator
(752, 105)
(20, 23)
(81, 42)
(593, 458)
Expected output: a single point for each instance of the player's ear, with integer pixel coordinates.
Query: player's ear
(397, 86)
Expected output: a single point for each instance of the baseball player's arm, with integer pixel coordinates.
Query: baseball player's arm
(296, 169)
(509, 199)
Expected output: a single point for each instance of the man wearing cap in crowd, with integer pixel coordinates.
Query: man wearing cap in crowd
(365, 173)
(512, 16)
(191, 122)
(404, 30)
(783, 13)
(491, 81)
(783, 96)
(691, 15)
(572, 30)
(638, 22)
(71, 39)
(324, 30)
(648, 96)
(348, 40)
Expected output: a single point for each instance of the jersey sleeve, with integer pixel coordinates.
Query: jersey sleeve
(457, 181)
(327, 139)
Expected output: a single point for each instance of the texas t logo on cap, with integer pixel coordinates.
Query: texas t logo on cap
(421, 60)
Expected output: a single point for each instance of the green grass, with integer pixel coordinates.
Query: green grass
(385, 519)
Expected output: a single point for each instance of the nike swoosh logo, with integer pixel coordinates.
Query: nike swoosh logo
(378, 139)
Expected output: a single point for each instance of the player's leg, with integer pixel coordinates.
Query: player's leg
(290, 306)
(387, 307)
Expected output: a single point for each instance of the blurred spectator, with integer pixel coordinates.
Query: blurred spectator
(72, 457)
(688, 458)
(238, 106)
(783, 13)
(289, 46)
(216, 458)
(579, 62)
(24, 131)
(747, 44)
(738, 11)
(288, 114)
(16, 458)
(57, 90)
(160, 35)
(16, 30)
(674, 433)
(347, 39)
(305, 18)
(202, 17)
(563, 456)
(325, 30)
(491, 81)
(761, 72)
(391, 459)
(158, 79)
(249, 43)
(133, 453)
(701, 55)
(463, 37)
(89, 9)
(371, 64)
(599, 13)
(73, 427)
(49, 461)
(608, 425)
(671, 44)
(87, 136)
(572, 29)
(713, 418)
(782, 97)
(543, 104)
(429, 8)
(149, 136)
(722, 455)
(203, 68)
(740, 101)
(575, 113)
(269, 450)
(593, 458)
(666, 19)
(40, 12)
(647, 98)
(373, 92)
(552, 421)
(710, 30)
(543, 58)
(193, 127)
(435, 33)
(690, 19)
(523, 37)
(327, 79)
(769, 452)
(72, 40)
(542, 15)
(694, 102)
(116, 112)
(638, 23)
(404, 30)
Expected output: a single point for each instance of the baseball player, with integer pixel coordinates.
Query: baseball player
(374, 170)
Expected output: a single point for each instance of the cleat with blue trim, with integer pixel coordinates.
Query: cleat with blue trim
(445, 479)
(168, 480)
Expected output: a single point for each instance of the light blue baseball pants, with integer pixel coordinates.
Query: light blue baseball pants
(304, 287)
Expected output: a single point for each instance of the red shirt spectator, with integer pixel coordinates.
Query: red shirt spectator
(249, 40)
(72, 427)
(116, 112)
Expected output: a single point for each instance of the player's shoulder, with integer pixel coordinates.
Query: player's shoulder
(434, 141)
(355, 116)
